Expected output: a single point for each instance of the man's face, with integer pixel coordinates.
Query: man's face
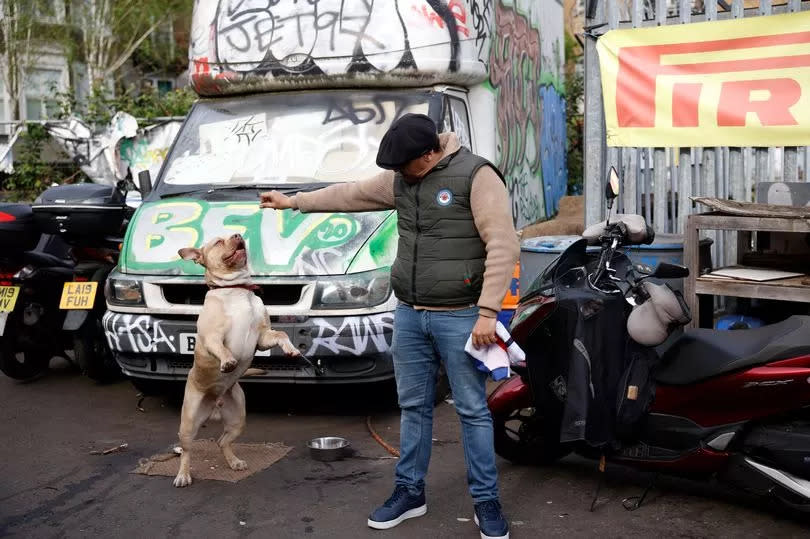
(417, 168)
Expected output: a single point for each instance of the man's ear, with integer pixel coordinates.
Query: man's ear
(190, 253)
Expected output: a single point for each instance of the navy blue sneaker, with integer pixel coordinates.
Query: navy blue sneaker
(490, 520)
(400, 506)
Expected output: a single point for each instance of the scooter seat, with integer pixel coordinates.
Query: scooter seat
(699, 354)
(38, 258)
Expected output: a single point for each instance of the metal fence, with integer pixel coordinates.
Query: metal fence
(658, 182)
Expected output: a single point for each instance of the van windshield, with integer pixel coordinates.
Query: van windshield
(288, 138)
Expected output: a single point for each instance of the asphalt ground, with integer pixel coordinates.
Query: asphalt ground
(52, 486)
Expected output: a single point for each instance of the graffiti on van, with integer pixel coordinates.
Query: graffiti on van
(279, 242)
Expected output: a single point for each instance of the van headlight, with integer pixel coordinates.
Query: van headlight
(125, 292)
(352, 291)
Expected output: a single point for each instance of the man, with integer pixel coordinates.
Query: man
(456, 255)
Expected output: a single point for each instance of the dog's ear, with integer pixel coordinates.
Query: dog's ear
(190, 253)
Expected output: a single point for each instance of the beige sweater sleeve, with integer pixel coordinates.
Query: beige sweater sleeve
(492, 214)
(375, 193)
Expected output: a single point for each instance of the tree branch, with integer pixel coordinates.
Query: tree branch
(131, 49)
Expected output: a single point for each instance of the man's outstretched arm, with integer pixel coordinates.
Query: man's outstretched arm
(375, 193)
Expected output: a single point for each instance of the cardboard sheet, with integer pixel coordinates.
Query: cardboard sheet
(207, 461)
(752, 274)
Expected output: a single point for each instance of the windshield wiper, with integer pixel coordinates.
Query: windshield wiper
(213, 188)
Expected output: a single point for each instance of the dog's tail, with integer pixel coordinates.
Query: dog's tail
(254, 372)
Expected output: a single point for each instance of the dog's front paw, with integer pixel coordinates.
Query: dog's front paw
(237, 465)
(182, 480)
(289, 349)
(228, 366)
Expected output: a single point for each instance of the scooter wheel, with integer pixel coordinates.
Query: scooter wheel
(519, 438)
(22, 363)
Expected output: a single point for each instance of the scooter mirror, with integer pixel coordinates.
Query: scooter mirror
(612, 187)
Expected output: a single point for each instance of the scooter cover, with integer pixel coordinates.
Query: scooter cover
(592, 359)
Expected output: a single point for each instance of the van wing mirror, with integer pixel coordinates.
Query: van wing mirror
(144, 183)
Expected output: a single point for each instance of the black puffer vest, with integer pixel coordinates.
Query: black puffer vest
(440, 257)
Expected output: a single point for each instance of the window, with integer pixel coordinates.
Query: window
(41, 86)
(288, 137)
(164, 86)
(456, 119)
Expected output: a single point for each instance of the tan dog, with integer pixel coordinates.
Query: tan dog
(232, 326)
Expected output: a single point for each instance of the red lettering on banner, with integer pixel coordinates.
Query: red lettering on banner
(640, 67)
(685, 100)
(737, 103)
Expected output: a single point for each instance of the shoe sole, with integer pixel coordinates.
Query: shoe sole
(412, 513)
(484, 536)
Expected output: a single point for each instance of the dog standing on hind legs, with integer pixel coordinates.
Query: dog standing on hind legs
(231, 327)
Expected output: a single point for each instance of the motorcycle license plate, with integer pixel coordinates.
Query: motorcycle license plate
(8, 298)
(78, 295)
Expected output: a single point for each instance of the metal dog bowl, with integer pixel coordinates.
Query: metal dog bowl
(328, 448)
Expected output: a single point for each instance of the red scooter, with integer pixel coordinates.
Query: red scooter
(730, 404)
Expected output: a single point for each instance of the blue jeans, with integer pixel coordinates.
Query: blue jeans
(422, 339)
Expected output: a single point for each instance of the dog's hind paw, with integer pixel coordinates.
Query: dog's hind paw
(228, 366)
(182, 480)
(238, 465)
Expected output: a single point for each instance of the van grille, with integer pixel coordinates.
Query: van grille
(194, 294)
(275, 365)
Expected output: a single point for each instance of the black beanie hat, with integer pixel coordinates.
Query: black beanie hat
(409, 137)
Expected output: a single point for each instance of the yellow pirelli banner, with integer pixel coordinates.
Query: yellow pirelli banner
(743, 82)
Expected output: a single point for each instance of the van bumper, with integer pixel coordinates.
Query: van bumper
(351, 349)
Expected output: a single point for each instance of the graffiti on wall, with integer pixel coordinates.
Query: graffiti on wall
(515, 74)
(553, 139)
(530, 117)
(280, 38)
(278, 242)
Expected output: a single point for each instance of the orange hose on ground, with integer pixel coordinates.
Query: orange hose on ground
(393, 450)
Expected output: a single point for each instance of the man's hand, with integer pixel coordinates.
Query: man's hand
(483, 334)
(274, 200)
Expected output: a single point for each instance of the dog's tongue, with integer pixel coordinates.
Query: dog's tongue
(236, 254)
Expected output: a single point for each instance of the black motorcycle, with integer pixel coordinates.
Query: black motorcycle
(92, 219)
(33, 270)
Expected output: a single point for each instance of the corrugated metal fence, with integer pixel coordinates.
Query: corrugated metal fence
(657, 182)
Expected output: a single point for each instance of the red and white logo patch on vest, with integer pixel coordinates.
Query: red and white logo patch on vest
(444, 197)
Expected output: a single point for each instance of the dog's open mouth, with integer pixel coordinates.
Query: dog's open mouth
(239, 253)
